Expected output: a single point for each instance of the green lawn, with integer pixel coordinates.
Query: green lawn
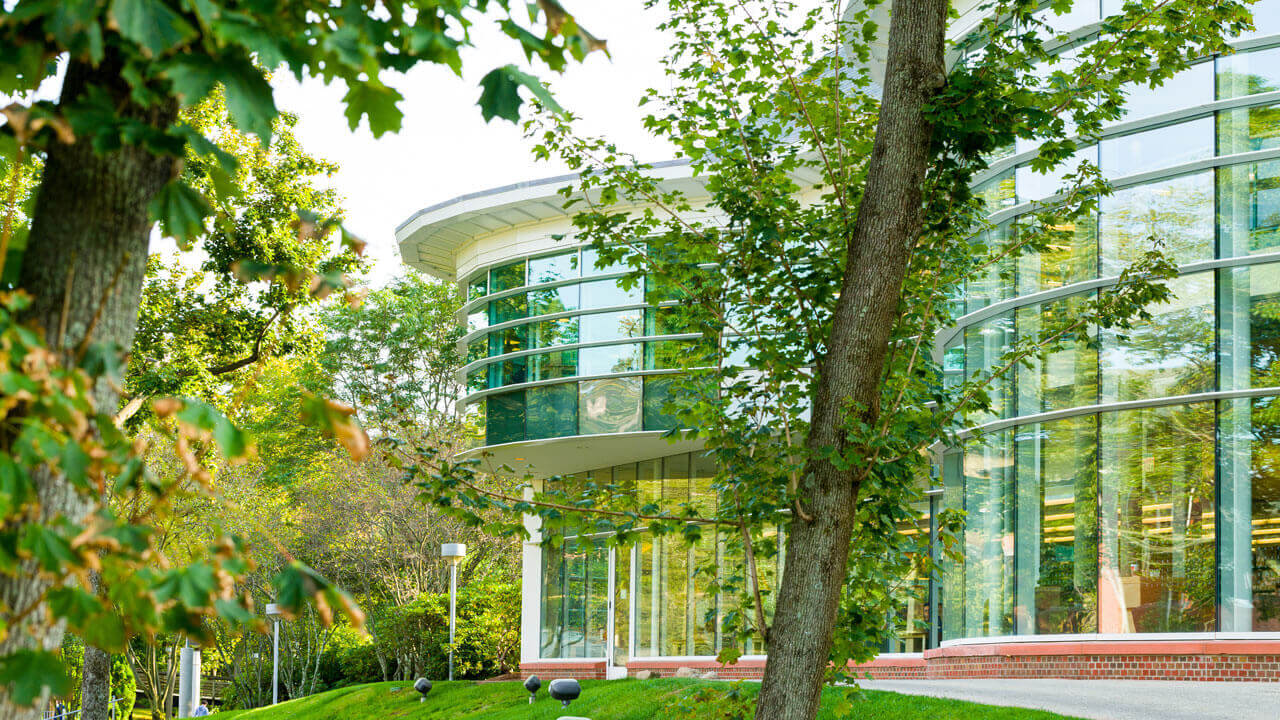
(601, 700)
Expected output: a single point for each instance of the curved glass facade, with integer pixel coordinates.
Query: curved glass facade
(557, 346)
(1129, 483)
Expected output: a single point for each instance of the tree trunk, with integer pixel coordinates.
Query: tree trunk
(89, 228)
(95, 685)
(889, 221)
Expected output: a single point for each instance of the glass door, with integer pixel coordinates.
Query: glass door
(619, 644)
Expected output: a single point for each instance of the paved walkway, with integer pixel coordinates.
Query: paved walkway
(1109, 699)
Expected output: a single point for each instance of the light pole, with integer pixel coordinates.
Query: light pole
(273, 612)
(453, 552)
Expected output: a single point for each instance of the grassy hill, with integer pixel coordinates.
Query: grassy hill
(601, 700)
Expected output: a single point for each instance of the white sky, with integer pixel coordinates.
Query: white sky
(445, 148)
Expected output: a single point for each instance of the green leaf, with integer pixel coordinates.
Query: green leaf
(232, 441)
(75, 464)
(181, 211)
(378, 102)
(28, 674)
(49, 548)
(250, 102)
(193, 78)
(500, 93)
(151, 24)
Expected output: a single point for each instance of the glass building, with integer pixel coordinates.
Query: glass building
(1128, 486)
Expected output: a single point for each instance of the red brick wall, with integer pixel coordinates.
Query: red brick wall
(1253, 660)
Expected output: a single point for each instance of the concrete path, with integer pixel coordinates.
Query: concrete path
(1109, 699)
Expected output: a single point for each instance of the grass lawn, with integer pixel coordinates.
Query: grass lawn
(601, 700)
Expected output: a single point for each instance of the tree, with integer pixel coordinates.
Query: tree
(840, 222)
(112, 147)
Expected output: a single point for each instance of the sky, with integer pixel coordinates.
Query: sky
(445, 148)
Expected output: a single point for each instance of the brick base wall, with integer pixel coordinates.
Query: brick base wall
(1220, 660)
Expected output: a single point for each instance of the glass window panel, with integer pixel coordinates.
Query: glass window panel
(552, 365)
(988, 537)
(1193, 86)
(608, 293)
(553, 267)
(985, 343)
(671, 354)
(591, 258)
(478, 286)
(477, 350)
(994, 282)
(562, 331)
(553, 411)
(1156, 149)
(1057, 527)
(552, 634)
(648, 595)
(1064, 378)
(478, 379)
(609, 406)
(608, 359)
(510, 371)
(505, 414)
(509, 340)
(1079, 14)
(573, 633)
(703, 605)
(597, 610)
(474, 424)
(597, 327)
(1178, 212)
(998, 192)
(1248, 73)
(1070, 256)
(1157, 557)
(1249, 336)
(1248, 129)
(675, 630)
(1171, 354)
(1035, 185)
(553, 300)
(506, 277)
(657, 393)
(622, 603)
(512, 307)
(1249, 513)
(478, 320)
(1249, 208)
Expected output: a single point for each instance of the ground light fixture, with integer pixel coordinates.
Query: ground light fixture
(532, 685)
(273, 612)
(566, 690)
(423, 686)
(453, 552)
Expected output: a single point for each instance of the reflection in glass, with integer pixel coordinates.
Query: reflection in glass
(994, 282)
(590, 260)
(1248, 73)
(553, 410)
(1249, 337)
(1170, 354)
(511, 307)
(1057, 527)
(510, 371)
(562, 331)
(505, 417)
(657, 393)
(1193, 86)
(478, 379)
(998, 193)
(1064, 378)
(552, 365)
(608, 359)
(608, 293)
(1071, 256)
(1035, 185)
(553, 300)
(1157, 558)
(985, 344)
(609, 406)
(1249, 498)
(1248, 129)
(1266, 19)
(988, 536)
(951, 599)
(1249, 208)
(509, 340)
(478, 286)
(1079, 14)
(477, 350)
(553, 267)
(1178, 212)
(1155, 149)
(478, 320)
(506, 277)
(597, 327)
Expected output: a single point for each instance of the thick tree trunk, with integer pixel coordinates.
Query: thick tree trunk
(889, 221)
(89, 234)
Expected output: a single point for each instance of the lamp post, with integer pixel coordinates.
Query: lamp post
(273, 612)
(453, 552)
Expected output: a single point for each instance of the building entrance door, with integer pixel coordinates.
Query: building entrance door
(618, 648)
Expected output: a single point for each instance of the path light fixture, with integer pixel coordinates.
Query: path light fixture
(566, 690)
(273, 612)
(532, 685)
(423, 686)
(453, 552)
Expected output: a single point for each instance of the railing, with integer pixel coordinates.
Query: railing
(55, 715)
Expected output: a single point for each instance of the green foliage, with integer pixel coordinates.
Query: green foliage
(124, 686)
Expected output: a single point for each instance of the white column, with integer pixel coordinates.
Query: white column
(184, 680)
(531, 587)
